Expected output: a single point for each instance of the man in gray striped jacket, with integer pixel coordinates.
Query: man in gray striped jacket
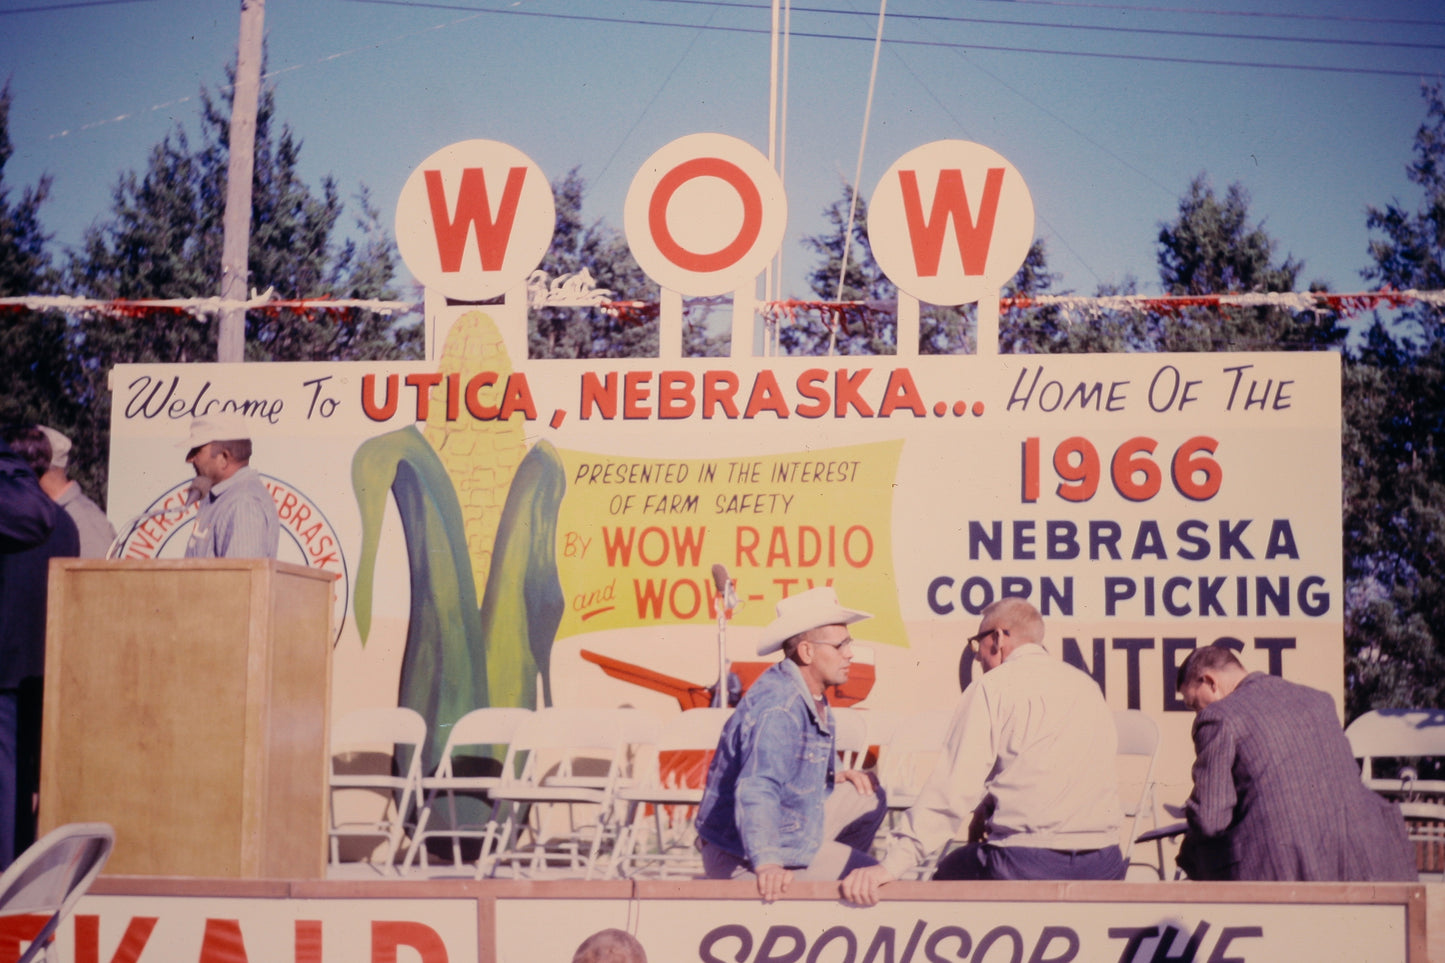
(1277, 792)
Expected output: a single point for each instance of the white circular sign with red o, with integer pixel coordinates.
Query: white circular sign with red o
(951, 222)
(474, 219)
(705, 214)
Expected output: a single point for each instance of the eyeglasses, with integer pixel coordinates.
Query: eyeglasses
(834, 645)
(975, 642)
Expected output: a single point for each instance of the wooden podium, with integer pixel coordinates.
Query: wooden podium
(187, 704)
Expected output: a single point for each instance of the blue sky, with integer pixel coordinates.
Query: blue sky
(1108, 109)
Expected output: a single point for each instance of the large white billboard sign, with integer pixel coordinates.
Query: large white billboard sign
(507, 531)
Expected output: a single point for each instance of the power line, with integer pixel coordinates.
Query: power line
(950, 45)
(1147, 58)
(269, 75)
(1277, 15)
(948, 112)
(1095, 28)
(682, 58)
(1064, 121)
(69, 6)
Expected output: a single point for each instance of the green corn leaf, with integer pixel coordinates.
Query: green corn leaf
(443, 675)
(523, 602)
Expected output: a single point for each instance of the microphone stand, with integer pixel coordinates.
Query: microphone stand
(200, 488)
(727, 600)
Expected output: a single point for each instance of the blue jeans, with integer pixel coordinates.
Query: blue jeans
(982, 861)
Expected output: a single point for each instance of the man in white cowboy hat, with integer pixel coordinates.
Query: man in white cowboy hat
(1030, 756)
(775, 807)
(237, 518)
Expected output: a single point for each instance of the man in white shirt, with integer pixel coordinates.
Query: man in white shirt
(1031, 748)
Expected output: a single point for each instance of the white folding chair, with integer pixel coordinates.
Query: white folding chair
(859, 731)
(375, 753)
(51, 876)
(1138, 748)
(905, 764)
(881, 725)
(471, 766)
(673, 786)
(1407, 736)
(568, 758)
(640, 730)
(850, 736)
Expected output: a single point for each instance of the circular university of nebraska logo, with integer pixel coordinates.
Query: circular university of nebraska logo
(307, 537)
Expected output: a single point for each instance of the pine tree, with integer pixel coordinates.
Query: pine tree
(1049, 329)
(163, 240)
(564, 332)
(24, 263)
(871, 328)
(39, 383)
(1211, 248)
(1394, 398)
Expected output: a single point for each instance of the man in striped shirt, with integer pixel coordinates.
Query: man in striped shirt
(237, 518)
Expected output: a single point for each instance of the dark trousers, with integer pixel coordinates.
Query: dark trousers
(28, 723)
(983, 861)
(9, 711)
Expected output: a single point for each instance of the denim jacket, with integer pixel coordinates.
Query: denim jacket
(771, 774)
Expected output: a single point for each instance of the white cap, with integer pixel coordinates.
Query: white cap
(59, 447)
(806, 610)
(226, 426)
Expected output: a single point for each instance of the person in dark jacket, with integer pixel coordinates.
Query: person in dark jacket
(24, 577)
(26, 513)
(1277, 793)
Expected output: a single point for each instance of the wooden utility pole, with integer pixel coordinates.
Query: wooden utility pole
(231, 336)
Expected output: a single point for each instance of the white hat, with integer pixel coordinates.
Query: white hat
(806, 610)
(59, 447)
(226, 426)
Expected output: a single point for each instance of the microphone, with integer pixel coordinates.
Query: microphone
(200, 488)
(725, 586)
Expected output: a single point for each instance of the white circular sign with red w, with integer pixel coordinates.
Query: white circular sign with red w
(950, 222)
(474, 219)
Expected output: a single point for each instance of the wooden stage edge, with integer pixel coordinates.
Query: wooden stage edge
(1424, 903)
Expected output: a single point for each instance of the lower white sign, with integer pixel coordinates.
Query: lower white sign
(735, 931)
